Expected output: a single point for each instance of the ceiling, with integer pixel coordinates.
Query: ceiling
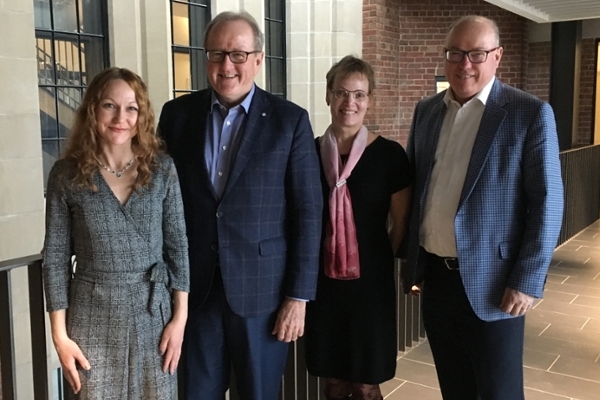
(551, 10)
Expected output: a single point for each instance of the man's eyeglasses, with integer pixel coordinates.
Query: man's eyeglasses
(474, 56)
(342, 94)
(236, 57)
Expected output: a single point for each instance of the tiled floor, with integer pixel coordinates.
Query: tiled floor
(562, 334)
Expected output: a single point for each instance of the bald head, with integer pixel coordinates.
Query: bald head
(469, 21)
(468, 75)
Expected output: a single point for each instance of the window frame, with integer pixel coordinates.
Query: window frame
(196, 82)
(269, 58)
(53, 83)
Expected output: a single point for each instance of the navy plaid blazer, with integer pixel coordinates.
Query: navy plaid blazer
(511, 205)
(264, 232)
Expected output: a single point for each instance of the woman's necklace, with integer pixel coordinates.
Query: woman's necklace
(117, 173)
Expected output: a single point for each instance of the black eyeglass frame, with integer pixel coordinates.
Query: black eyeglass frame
(228, 54)
(468, 54)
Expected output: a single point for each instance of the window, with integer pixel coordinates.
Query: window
(276, 79)
(71, 50)
(189, 20)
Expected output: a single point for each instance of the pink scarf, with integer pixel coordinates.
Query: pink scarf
(341, 246)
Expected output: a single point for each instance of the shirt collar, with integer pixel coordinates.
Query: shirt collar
(245, 103)
(482, 96)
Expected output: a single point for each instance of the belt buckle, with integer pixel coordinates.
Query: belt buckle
(451, 262)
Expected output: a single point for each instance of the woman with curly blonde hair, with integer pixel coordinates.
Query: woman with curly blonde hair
(116, 271)
(85, 144)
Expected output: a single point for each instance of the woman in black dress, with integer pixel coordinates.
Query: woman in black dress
(351, 326)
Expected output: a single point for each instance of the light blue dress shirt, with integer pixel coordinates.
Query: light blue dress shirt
(225, 128)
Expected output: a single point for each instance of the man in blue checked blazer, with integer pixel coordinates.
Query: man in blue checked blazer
(487, 211)
(251, 189)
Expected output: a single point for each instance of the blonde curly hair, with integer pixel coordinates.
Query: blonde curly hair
(85, 144)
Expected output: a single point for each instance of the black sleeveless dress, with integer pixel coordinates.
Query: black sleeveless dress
(351, 326)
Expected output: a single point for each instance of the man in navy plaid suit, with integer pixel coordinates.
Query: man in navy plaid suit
(487, 211)
(251, 189)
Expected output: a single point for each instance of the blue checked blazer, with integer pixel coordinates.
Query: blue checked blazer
(511, 205)
(265, 230)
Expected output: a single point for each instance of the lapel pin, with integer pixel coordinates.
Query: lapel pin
(264, 114)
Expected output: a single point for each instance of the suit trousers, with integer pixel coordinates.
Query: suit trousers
(216, 339)
(474, 359)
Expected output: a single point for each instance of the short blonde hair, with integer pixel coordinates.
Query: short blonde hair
(350, 65)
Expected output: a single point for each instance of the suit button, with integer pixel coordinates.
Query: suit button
(219, 214)
(214, 247)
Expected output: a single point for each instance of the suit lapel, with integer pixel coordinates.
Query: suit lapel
(491, 123)
(436, 117)
(198, 130)
(255, 122)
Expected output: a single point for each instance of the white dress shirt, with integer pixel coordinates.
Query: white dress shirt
(452, 157)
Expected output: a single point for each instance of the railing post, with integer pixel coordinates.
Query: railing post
(37, 315)
(7, 339)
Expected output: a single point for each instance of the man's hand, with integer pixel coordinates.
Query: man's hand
(516, 303)
(290, 320)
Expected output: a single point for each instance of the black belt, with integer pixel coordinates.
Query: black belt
(449, 262)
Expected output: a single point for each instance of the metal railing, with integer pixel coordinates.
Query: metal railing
(296, 384)
(37, 327)
(581, 179)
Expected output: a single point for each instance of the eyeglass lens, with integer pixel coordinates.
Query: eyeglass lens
(236, 57)
(358, 95)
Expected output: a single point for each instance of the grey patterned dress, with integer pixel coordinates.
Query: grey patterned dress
(128, 260)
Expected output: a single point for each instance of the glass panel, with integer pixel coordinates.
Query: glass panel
(44, 61)
(199, 19)
(90, 16)
(92, 58)
(181, 24)
(277, 76)
(276, 39)
(69, 100)
(41, 11)
(276, 10)
(50, 153)
(48, 120)
(181, 70)
(65, 17)
(66, 53)
(199, 80)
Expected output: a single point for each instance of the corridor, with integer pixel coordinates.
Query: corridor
(562, 334)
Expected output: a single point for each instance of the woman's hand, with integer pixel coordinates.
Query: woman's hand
(71, 357)
(170, 345)
(69, 353)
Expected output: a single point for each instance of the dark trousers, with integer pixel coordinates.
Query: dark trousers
(474, 359)
(216, 339)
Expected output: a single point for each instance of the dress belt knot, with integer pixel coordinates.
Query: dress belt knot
(156, 274)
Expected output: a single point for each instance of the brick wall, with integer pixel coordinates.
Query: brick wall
(538, 70)
(404, 40)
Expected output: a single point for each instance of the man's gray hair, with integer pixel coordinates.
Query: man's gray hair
(226, 16)
(475, 19)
